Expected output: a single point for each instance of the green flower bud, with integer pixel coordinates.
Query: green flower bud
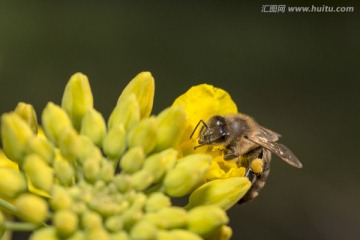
(143, 86)
(138, 202)
(132, 160)
(107, 170)
(143, 230)
(115, 142)
(64, 171)
(106, 205)
(91, 169)
(223, 233)
(91, 220)
(60, 198)
(130, 217)
(12, 183)
(177, 234)
(75, 191)
(164, 235)
(114, 223)
(186, 175)
(86, 196)
(205, 219)
(87, 149)
(122, 182)
(156, 202)
(42, 147)
(40, 174)
(222, 192)
(112, 189)
(54, 121)
(126, 112)
(159, 163)
(48, 233)
(120, 236)
(93, 125)
(171, 125)
(31, 208)
(99, 186)
(15, 133)
(98, 233)
(77, 98)
(144, 135)
(69, 143)
(28, 114)
(78, 235)
(130, 195)
(65, 222)
(226, 232)
(168, 218)
(142, 179)
(79, 207)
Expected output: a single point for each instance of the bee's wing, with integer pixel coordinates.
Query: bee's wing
(267, 134)
(265, 140)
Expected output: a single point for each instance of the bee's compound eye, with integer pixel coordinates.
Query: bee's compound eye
(218, 121)
(219, 129)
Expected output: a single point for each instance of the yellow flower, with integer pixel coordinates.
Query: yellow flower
(201, 102)
(225, 180)
(93, 180)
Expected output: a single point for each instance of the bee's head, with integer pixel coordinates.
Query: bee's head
(215, 131)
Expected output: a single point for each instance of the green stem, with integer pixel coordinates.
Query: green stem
(8, 206)
(20, 226)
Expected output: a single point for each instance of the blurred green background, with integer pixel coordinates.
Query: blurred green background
(296, 73)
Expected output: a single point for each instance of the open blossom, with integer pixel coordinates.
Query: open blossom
(80, 176)
(224, 181)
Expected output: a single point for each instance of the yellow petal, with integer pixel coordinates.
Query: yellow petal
(201, 102)
(214, 172)
(7, 163)
(235, 172)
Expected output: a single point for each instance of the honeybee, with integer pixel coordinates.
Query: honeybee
(245, 140)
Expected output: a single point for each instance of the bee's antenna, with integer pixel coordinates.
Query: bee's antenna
(197, 125)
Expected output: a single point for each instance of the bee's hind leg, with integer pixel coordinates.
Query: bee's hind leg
(251, 175)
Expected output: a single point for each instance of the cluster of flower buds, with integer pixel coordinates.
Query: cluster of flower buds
(80, 177)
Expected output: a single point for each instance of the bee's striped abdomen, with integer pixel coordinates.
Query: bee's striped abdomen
(258, 180)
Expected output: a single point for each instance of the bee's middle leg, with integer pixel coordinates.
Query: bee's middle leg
(229, 153)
